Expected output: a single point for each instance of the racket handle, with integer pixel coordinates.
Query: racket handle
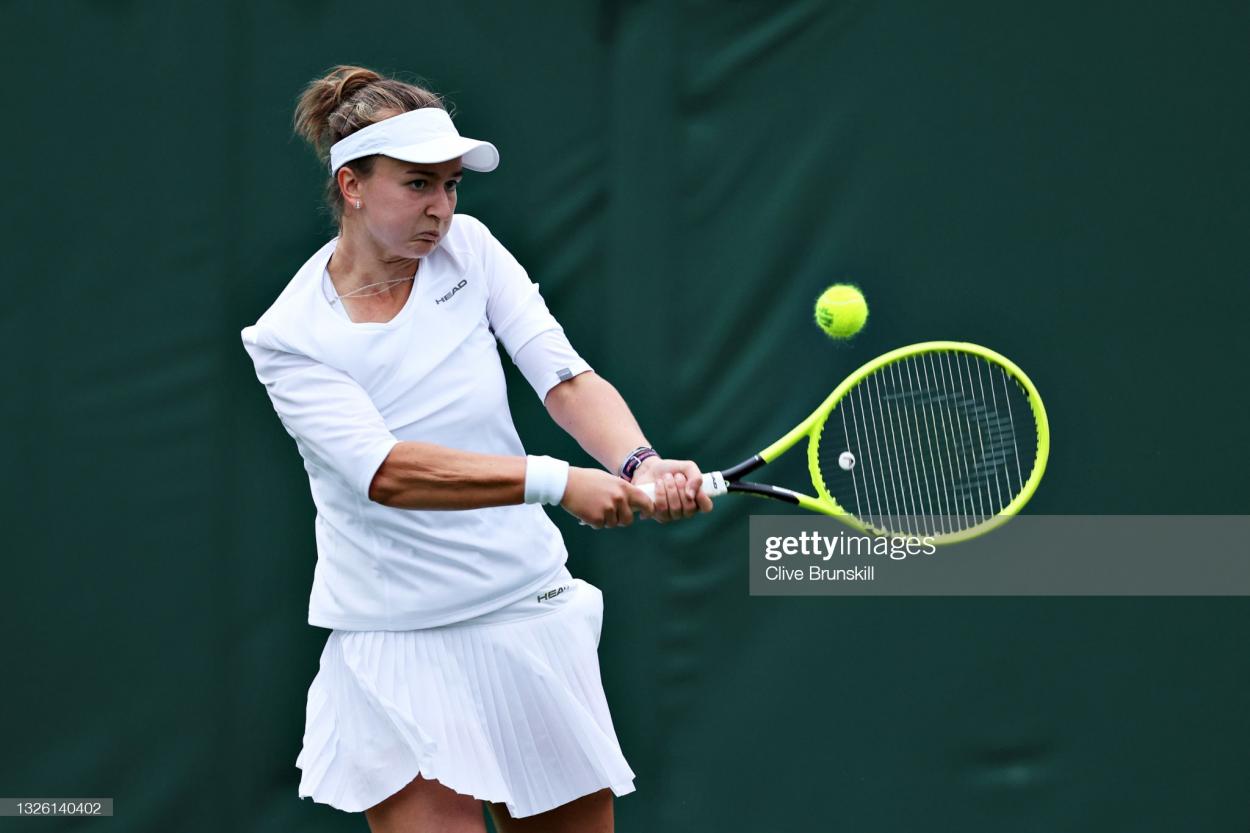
(713, 485)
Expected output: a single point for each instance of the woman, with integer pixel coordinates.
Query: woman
(462, 661)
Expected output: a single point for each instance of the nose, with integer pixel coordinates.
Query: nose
(440, 205)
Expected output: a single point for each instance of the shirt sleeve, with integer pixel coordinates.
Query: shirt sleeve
(514, 308)
(548, 359)
(331, 417)
(520, 320)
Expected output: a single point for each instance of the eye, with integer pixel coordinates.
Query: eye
(453, 184)
(419, 184)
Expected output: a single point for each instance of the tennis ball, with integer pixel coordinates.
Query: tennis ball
(841, 310)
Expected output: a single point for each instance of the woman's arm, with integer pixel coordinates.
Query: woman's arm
(338, 427)
(594, 414)
(426, 476)
(591, 410)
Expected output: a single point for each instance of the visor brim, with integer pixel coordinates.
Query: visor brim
(474, 154)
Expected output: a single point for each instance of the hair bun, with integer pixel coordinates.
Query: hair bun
(347, 80)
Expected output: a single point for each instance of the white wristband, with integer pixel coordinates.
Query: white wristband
(545, 480)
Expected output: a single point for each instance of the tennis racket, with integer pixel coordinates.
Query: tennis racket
(941, 439)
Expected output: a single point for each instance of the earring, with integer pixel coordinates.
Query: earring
(357, 204)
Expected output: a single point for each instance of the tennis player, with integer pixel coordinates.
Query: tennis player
(462, 662)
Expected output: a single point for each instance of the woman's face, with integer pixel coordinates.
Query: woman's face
(406, 207)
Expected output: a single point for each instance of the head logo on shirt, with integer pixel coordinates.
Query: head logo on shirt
(550, 595)
(454, 290)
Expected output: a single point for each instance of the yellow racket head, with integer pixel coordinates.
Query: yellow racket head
(944, 440)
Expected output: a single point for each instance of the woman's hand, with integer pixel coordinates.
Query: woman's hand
(678, 488)
(601, 500)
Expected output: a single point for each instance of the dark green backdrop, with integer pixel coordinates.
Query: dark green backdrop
(1064, 182)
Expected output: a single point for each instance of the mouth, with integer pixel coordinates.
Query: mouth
(430, 236)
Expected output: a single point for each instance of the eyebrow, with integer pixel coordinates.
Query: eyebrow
(433, 174)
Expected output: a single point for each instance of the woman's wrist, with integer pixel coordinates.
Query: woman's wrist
(645, 467)
(636, 460)
(546, 478)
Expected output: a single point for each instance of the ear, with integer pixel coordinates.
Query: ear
(349, 183)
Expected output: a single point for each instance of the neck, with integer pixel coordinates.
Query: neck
(359, 262)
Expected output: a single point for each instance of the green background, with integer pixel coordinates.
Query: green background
(1065, 183)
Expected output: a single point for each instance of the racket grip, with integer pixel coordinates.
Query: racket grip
(713, 485)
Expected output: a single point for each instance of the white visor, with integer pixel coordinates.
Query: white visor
(424, 135)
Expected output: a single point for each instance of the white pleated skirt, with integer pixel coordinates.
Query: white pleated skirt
(507, 708)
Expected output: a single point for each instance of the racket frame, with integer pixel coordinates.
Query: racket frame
(825, 503)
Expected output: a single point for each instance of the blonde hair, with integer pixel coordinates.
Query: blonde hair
(345, 100)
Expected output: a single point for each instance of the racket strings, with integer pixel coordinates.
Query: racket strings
(932, 444)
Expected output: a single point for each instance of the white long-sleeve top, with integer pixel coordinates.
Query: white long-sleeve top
(348, 392)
